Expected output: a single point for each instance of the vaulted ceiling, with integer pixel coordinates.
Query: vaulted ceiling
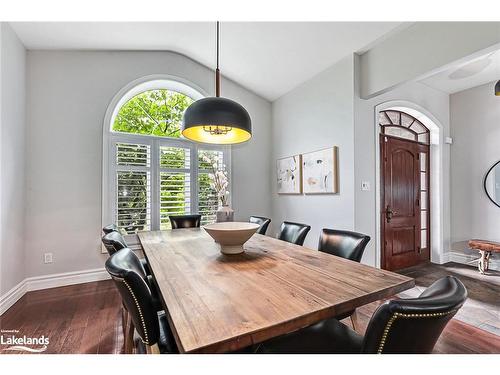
(269, 58)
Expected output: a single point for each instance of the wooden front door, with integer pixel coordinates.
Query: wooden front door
(401, 211)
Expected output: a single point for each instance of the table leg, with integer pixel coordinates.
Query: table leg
(124, 322)
(129, 336)
(153, 349)
(355, 321)
(482, 261)
(487, 261)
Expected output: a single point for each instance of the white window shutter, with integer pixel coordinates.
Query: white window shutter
(153, 178)
(133, 187)
(175, 183)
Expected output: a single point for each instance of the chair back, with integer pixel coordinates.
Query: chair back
(262, 221)
(185, 221)
(110, 228)
(127, 272)
(342, 243)
(293, 232)
(412, 326)
(113, 242)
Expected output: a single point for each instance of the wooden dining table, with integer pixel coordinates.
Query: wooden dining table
(218, 303)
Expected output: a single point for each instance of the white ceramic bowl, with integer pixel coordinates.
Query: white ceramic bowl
(231, 235)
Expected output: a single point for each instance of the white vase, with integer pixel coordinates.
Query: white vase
(224, 213)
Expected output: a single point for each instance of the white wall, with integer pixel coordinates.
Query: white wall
(12, 155)
(437, 104)
(475, 119)
(420, 49)
(68, 93)
(251, 171)
(316, 115)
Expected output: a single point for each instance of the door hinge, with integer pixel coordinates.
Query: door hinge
(419, 250)
(418, 202)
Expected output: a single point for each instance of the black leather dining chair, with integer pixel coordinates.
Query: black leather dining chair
(138, 298)
(110, 228)
(348, 245)
(293, 232)
(185, 221)
(343, 243)
(404, 326)
(262, 221)
(114, 242)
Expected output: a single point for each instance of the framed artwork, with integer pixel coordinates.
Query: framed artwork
(320, 171)
(289, 174)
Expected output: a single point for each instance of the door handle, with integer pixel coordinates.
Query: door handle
(389, 214)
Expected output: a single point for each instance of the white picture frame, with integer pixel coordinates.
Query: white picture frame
(320, 171)
(289, 175)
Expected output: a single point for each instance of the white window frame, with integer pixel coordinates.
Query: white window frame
(111, 138)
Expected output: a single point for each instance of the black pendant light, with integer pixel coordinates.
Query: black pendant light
(497, 89)
(217, 120)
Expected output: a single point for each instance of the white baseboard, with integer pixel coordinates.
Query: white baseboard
(50, 281)
(66, 278)
(445, 258)
(12, 296)
(457, 257)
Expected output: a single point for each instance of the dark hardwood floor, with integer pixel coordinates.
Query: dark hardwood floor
(482, 308)
(86, 318)
(475, 328)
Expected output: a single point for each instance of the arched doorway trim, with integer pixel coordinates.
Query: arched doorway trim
(437, 179)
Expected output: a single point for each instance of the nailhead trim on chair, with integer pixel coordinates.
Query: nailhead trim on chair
(138, 308)
(401, 315)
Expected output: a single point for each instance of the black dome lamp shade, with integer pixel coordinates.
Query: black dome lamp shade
(497, 89)
(217, 120)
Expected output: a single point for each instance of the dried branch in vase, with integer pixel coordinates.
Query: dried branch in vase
(218, 180)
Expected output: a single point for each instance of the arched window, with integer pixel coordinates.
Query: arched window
(152, 171)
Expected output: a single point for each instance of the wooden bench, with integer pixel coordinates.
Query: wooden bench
(485, 249)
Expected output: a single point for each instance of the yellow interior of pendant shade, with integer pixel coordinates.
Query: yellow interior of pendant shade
(198, 134)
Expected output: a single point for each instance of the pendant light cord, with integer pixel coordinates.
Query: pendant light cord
(217, 33)
(217, 71)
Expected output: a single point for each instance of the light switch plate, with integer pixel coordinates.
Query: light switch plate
(47, 258)
(365, 185)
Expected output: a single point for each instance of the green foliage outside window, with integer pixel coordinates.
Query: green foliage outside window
(153, 112)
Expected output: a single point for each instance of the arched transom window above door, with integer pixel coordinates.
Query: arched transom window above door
(402, 125)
